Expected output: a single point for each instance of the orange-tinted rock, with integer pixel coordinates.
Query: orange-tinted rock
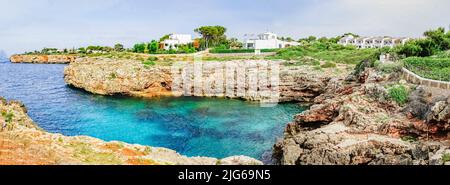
(43, 59)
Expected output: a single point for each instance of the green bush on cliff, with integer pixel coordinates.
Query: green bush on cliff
(8, 116)
(446, 157)
(150, 62)
(409, 138)
(152, 58)
(328, 64)
(388, 67)
(112, 75)
(435, 67)
(399, 94)
(328, 51)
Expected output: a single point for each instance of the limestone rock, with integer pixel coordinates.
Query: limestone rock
(43, 59)
(239, 160)
(23, 142)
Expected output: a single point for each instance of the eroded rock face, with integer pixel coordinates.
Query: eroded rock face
(43, 59)
(438, 117)
(108, 77)
(357, 123)
(129, 77)
(23, 142)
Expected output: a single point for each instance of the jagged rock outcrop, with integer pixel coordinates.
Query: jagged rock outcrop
(352, 119)
(356, 123)
(43, 59)
(438, 116)
(23, 142)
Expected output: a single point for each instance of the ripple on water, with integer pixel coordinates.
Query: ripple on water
(192, 126)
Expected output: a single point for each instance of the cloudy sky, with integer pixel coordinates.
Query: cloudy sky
(27, 25)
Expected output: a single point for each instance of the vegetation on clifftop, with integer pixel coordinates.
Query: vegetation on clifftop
(436, 68)
(326, 50)
(399, 94)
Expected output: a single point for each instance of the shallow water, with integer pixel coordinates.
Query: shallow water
(213, 127)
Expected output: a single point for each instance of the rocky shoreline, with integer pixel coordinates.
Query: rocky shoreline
(354, 122)
(43, 59)
(133, 78)
(23, 142)
(352, 119)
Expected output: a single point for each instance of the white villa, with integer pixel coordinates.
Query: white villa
(175, 40)
(372, 42)
(267, 40)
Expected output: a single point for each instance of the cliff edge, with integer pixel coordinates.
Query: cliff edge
(43, 59)
(22, 142)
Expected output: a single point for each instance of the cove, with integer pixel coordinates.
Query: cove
(193, 126)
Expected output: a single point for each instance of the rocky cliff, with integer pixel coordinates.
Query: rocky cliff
(23, 142)
(355, 122)
(43, 59)
(352, 119)
(134, 78)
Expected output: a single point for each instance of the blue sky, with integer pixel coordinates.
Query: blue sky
(27, 25)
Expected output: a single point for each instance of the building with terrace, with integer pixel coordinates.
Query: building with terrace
(372, 42)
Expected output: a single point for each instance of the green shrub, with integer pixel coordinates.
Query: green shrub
(224, 50)
(328, 64)
(148, 63)
(436, 68)
(399, 94)
(389, 67)
(409, 138)
(112, 75)
(8, 116)
(327, 51)
(446, 158)
(152, 58)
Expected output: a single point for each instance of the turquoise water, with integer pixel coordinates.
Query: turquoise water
(192, 126)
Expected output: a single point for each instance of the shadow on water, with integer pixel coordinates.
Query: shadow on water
(193, 126)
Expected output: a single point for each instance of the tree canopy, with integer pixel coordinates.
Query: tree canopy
(118, 47)
(212, 35)
(435, 41)
(165, 37)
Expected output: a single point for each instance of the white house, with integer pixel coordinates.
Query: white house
(175, 40)
(267, 40)
(347, 40)
(372, 42)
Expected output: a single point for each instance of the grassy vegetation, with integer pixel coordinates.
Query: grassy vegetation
(88, 155)
(219, 50)
(434, 67)
(326, 51)
(409, 138)
(446, 158)
(228, 58)
(8, 116)
(328, 64)
(399, 94)
(112, 76)
(148, 63)
(388, 67)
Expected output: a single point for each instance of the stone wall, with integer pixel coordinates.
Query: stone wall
(416, 79)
